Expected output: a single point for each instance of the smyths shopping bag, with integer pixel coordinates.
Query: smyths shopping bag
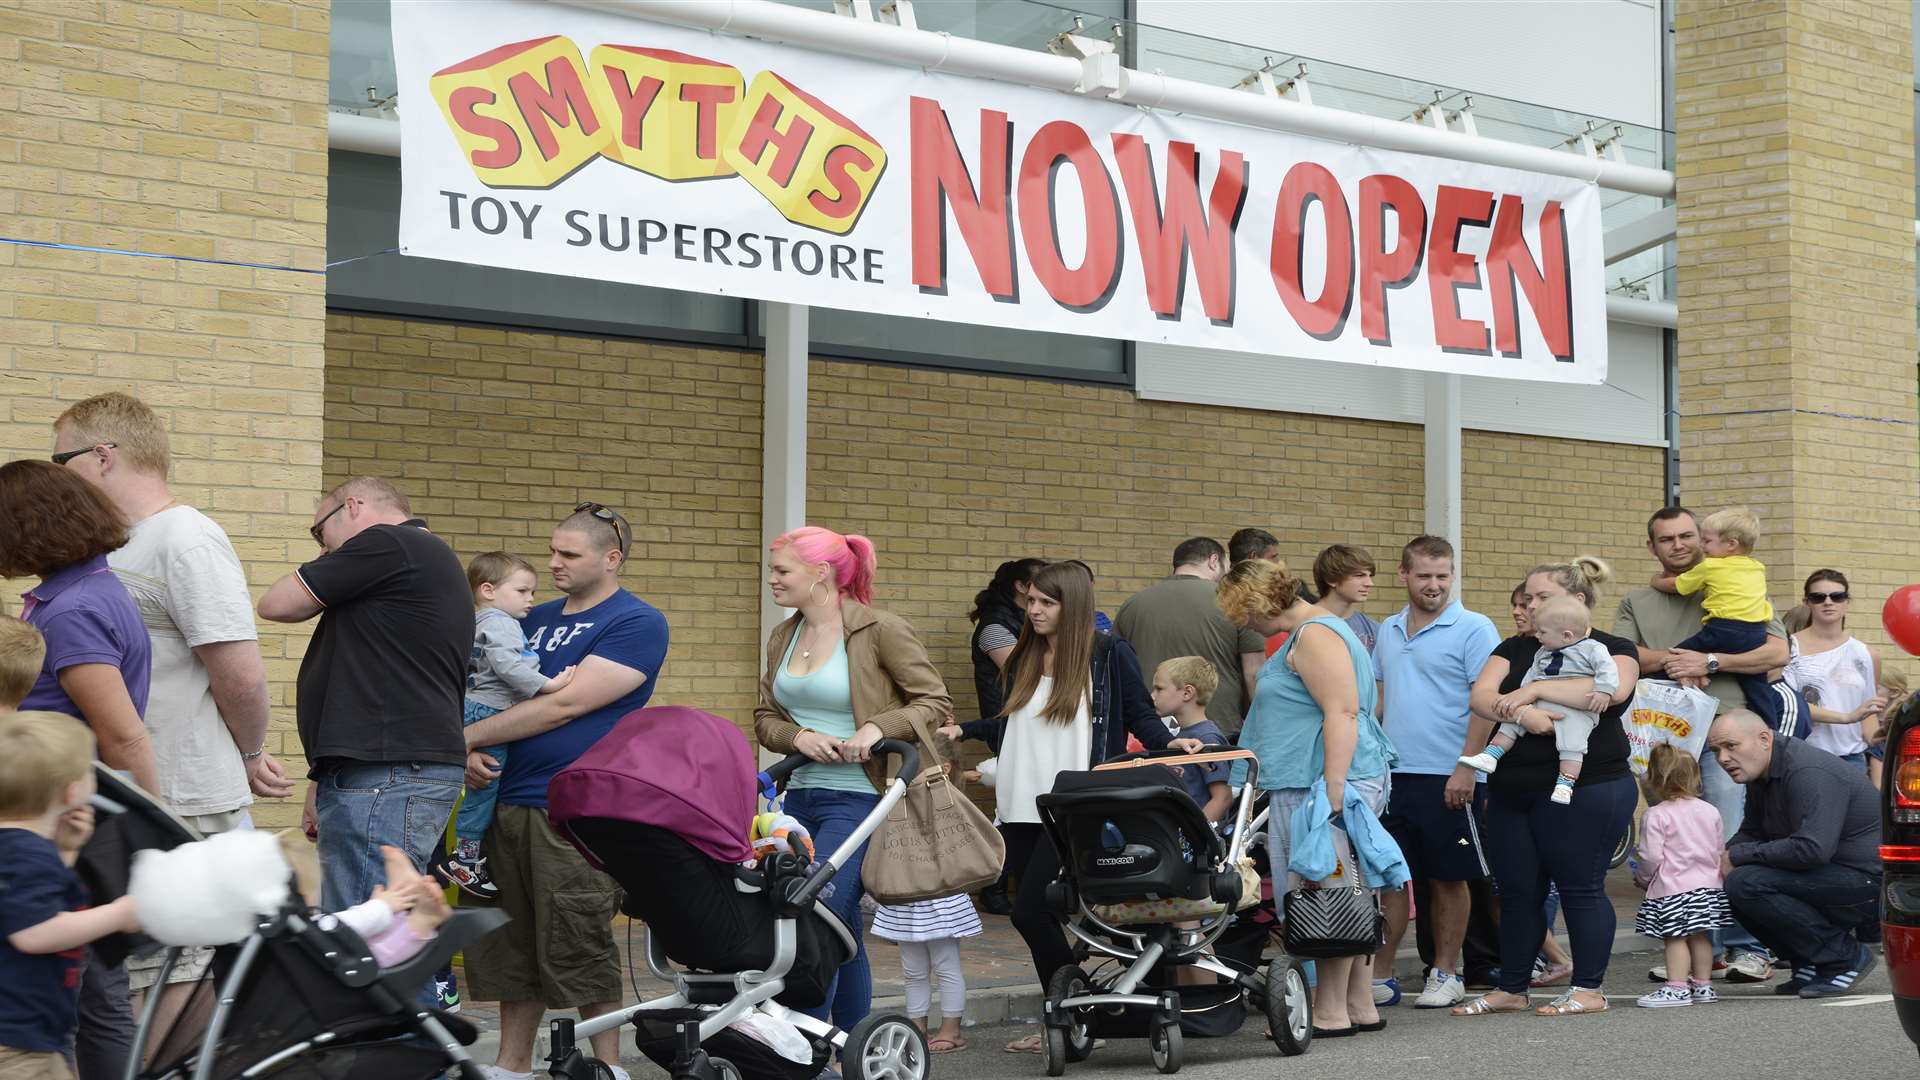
(1665, 712)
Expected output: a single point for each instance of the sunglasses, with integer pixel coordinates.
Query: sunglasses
(1823, 597)
(314, 529)
(62, 459)
(622, 532)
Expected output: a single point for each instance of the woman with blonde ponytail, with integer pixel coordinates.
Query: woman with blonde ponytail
(1534, 841)
(841, 675)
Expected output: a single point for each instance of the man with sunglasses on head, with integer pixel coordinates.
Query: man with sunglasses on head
(1657, 621)
(380, 687)
(558, 951)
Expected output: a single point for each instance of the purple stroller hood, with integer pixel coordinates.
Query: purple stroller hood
(683, 770)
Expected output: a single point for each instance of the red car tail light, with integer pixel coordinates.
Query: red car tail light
(1906, 772)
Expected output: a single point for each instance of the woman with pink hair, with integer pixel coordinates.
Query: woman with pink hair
(841, 675)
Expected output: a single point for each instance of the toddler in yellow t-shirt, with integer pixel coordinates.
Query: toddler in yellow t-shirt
(1735, 608)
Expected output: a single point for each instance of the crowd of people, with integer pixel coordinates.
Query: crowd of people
(1499, 767)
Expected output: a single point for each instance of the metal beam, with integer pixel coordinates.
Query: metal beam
(1644, 234)
(1443, 464)
(363, 134)
(1658, 313)
(1102, 75)
(783, 438)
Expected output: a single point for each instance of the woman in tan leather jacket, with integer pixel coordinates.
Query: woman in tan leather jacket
(841, 675)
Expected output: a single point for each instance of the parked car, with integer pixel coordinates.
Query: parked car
(1900, 857)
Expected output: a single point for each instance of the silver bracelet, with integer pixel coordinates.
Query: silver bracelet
(251, 754)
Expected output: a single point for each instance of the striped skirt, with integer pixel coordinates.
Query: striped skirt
(927, 920)
(1684, 913)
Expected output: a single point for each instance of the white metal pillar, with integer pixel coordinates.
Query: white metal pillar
(783, 438)
(1443, 464)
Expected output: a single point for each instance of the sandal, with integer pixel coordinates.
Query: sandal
(1029, 1044)
(1480, 1006)
(1553, 975)
(1568, 1005)
(946, 1046)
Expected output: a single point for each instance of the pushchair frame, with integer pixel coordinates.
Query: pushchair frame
(883, 1046)
(1280, 991)
(147, 824)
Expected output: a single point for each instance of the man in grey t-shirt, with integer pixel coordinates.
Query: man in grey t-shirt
(1657, 621)
(1178, 617)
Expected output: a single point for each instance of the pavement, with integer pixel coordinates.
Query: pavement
(1001, 990)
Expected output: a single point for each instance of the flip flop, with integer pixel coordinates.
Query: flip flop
(1028, 1044)
(946, 1046)
(1567, 1005)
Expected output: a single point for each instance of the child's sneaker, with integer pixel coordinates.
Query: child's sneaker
(1702, 993)
(1562, 792)
(1482, 761)
(468, 873)
(1668, 996)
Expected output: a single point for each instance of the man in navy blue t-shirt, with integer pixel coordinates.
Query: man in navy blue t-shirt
(558, 952)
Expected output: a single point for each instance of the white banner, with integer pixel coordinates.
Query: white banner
(553, 139)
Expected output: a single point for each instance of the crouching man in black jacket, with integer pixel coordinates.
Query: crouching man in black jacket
(1803, 872)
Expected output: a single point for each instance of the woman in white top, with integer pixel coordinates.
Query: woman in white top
(1073, 694)
(1838, 674)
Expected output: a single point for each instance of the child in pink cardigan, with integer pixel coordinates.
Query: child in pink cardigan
(1680, 846)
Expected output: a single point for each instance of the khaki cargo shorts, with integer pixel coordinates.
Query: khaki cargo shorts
(143, 971)
(29, 1065)
(559, 948)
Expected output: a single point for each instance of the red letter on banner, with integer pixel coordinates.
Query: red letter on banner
(706, 99)
(939, 177)
(562, 101)
(1381, 269)
(506, 145)
(1306, 184)
(761, 131)
(1456, 208)
(1546, 285)
(1089, 287)
(1167, 235)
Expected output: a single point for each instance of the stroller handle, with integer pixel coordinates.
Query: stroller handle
(803, 896)
(909, 761)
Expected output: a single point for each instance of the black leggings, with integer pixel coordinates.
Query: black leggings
(1031, 856)
(1535, 842)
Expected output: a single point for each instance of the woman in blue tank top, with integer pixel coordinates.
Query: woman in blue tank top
(1311, 718)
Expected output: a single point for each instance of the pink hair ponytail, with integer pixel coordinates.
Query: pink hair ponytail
(851, 557)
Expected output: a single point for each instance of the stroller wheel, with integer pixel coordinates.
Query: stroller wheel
(1289, 1004)
(1166, 1047)
(1055, 1041)
(724, 1069)
(885, 1046)
(1076, 1040)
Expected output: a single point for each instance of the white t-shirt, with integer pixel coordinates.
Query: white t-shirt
(1035, 750)
(1843, 679)
(187, 581)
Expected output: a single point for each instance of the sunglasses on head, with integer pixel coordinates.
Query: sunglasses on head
(622, 532)
(62, 459)
(1823, 597)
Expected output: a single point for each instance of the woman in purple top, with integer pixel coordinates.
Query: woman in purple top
(58, 528)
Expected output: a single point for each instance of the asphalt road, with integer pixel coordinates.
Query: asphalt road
(1750, 1035)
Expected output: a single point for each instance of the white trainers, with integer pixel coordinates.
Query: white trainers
(1562, 794)
(495, 1072)
(1667, 997)
(1746, 966)
(1483, 761)
(1703, 993)
(1444, 990)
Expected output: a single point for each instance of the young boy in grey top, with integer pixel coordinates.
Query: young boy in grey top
(501, 673)
(1561, 624)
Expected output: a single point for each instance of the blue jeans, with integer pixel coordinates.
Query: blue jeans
(1730, 798)
(1535, 842)
(363, 805)
(476, 810)
(832, 816)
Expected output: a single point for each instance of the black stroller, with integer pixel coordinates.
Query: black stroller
(752, 940)
(1147, 881)
(292, 1001)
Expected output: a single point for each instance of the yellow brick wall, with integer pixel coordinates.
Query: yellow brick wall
(180, 129)
(1796, 288)
(495, 434)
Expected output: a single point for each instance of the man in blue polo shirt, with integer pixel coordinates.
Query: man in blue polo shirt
(1427, 657)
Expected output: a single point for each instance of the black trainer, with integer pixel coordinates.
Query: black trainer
(1845, 981)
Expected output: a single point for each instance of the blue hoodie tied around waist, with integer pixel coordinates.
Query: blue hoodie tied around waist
(1382, 866)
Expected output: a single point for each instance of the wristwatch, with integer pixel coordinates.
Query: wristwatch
(1713, 664)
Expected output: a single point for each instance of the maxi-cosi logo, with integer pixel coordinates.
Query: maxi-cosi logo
(530, 114)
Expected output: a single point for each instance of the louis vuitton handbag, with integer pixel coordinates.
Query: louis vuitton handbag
(934, 843)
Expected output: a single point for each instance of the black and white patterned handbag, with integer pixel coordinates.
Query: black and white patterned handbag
(1329, 922)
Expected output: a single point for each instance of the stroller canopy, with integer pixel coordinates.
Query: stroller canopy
(683, 770)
